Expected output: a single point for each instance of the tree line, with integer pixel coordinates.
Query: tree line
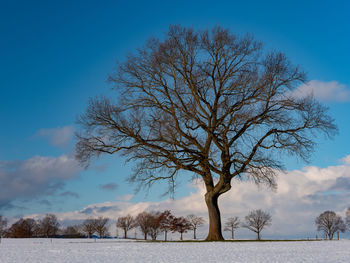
(152, 224)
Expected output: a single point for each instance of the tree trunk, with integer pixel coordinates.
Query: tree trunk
(165, 235)
(125, 233)
(145, 236)
(194, 233)
(258, 235)
(180, 235)
(233, 234)
(215, 233)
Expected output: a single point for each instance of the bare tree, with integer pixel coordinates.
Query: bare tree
(23, 228)
(347, 218)
(256, 221)
(208, 102)
(3, 225)
(232, 224)
(195, 222)
(72, 232)
(126, 223)
(181, 225)
(88, 227)
(143, 222)
(101, 226)
(329, 223)
(165, 222)
(48, 226)
(154, 224)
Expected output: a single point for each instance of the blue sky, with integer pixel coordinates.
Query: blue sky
(55, 55)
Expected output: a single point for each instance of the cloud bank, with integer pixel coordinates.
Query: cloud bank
(34, 177)
(301, 196)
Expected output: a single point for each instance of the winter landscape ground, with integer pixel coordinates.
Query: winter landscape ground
(112, 250)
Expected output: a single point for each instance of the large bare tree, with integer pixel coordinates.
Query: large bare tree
(256, 221)
(232, 224)
(329, 223)
(207, 102)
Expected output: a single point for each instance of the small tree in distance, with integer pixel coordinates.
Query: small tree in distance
(48, 226)
(154, 224)
(165, 222)
(143, 222)
(23, 228)
(256, 221)
(88, 227)
(195, 222)
(329, 223)
(232, 224)
(101, 226)
(347, 218)
(181, 225)
(126, 223)
(3, 225)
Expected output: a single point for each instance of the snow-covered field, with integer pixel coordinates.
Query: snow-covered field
(105, 251)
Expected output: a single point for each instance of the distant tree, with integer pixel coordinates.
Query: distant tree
(72, 232)
(126, 223)
(232, 224)
(48, 226)
(143, 222)
(256, 221)
(154, 224)
(347, 218)
(23, 228)
(88, 227)
(211, 103)
(3, 225)
(329, 223)
(101, 226)
(165, 222)
(181, 225)
(195, 222)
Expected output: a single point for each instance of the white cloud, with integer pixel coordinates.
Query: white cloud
(126, 197)
(35, 176)
(331, 91)
(301, 196)
(59, 136)
(346, 159)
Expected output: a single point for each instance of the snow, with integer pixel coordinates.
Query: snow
(113, 250)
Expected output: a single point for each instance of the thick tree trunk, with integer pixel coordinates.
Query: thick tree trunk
(258, 235)
(215, 233)
(165, 235)
(180, 235)
(125, 233)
